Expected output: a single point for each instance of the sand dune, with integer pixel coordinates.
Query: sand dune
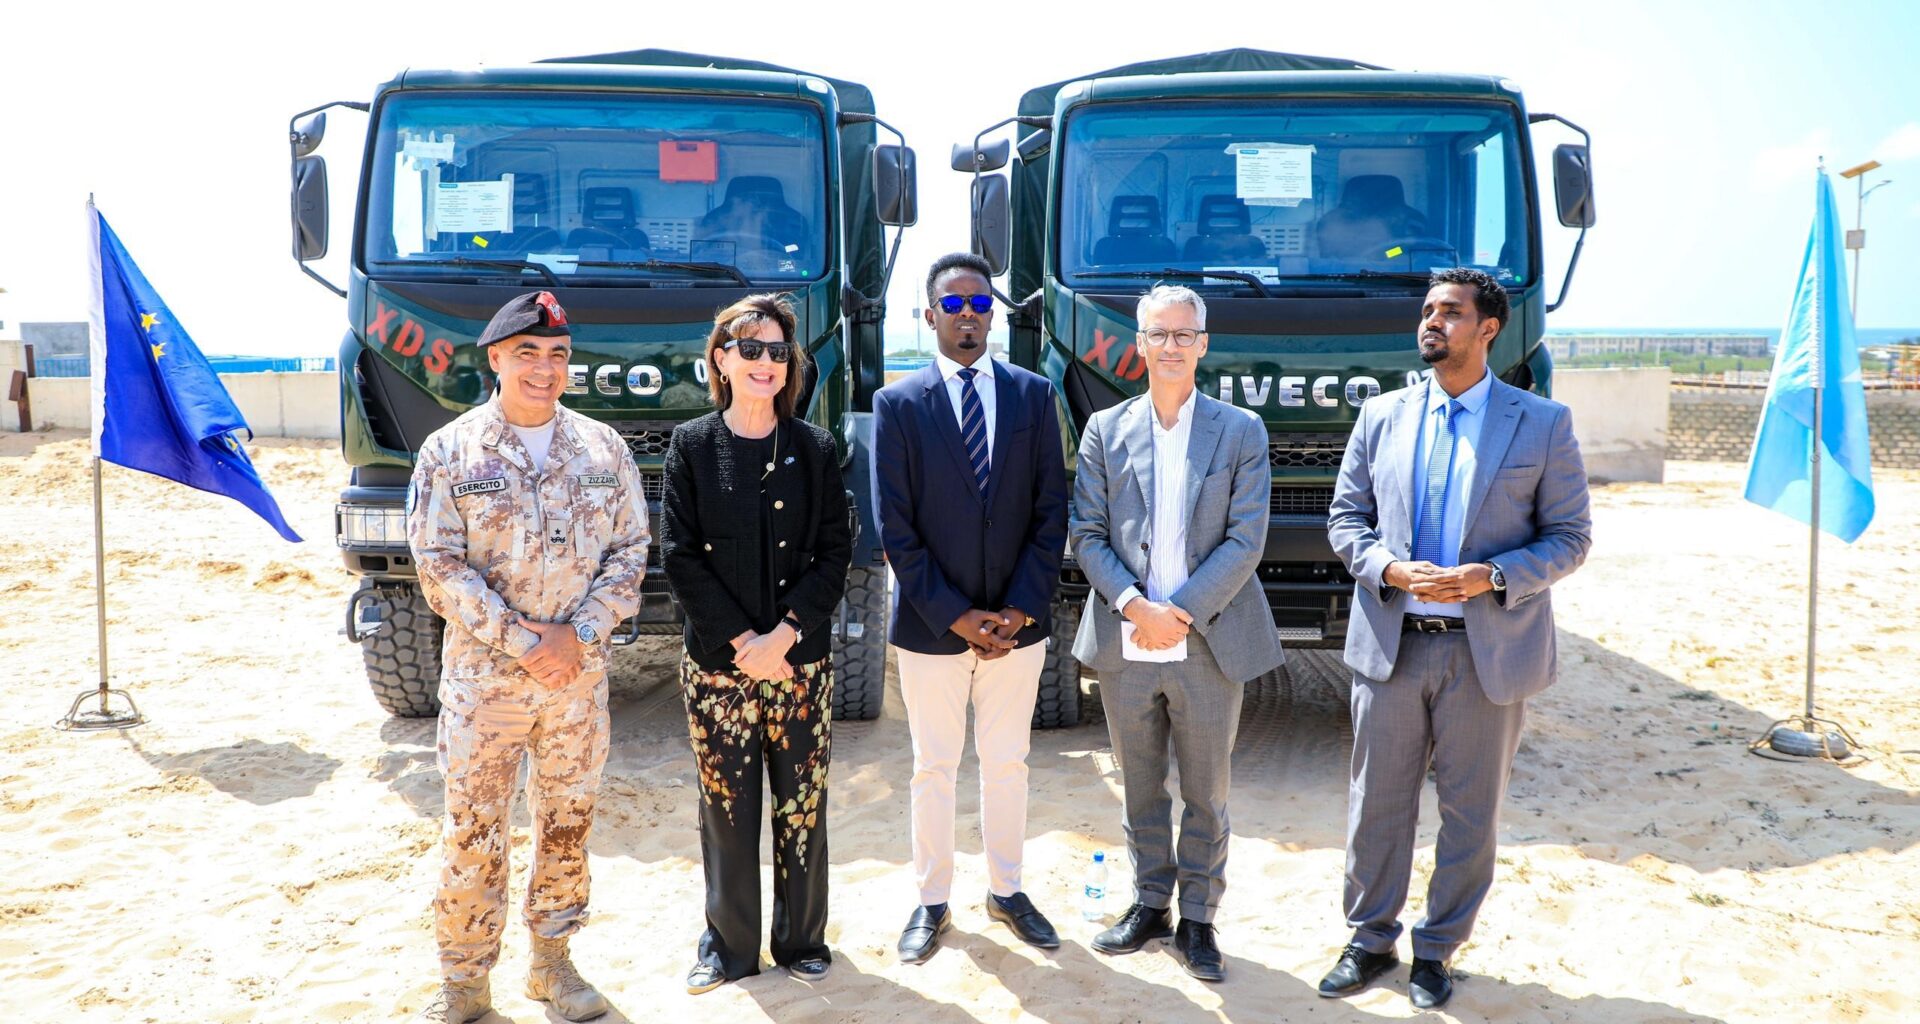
(265, 848)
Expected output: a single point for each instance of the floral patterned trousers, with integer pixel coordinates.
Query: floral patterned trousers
(744, 730)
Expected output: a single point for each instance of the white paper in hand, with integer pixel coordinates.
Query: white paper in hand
(1134, 652)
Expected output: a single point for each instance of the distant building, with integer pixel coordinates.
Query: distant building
(1566, 346)
(55, 339)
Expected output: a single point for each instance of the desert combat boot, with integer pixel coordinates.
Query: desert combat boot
(551, 977)
(458, 1002)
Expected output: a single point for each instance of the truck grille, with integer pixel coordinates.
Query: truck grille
(645, 444)
(653, 485)
(1306, 451)
(1301, 501)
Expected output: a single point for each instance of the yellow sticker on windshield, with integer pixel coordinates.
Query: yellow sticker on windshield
(1391, 253)
(482, 243)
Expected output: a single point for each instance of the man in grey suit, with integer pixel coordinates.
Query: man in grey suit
(1462, 499)
(1169, 519)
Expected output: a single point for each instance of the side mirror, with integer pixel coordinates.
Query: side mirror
(990, 157)
(894, 186)
(305, 136)
(992, 222)
(1573, 185)
(309, 208)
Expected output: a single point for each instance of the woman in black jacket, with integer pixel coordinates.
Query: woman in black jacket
(755, 540)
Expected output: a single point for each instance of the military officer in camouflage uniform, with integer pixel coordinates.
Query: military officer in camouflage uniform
(529, 528)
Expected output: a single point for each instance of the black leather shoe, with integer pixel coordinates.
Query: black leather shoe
(1136, 927)
(811, 969)
(1356, 970)
(1193, 940)
(1430, 985)
(922, 935)
(1018, 913)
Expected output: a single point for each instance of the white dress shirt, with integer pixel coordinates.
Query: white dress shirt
(982, 385)
(1453, 516)
(1167, 553)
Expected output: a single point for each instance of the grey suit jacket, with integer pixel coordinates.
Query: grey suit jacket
(1526, 511)
(1110, 525)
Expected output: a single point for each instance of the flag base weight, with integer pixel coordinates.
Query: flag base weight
(103, 717)
(1804, 737)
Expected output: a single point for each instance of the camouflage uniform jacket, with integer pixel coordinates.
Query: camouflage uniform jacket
(497, 545)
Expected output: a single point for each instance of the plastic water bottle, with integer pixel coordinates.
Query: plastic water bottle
(1093, 896)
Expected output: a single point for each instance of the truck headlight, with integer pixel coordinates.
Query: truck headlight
(377, 526)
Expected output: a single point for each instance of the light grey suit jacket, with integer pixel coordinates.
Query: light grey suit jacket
(1110, 525)
(1526, 511)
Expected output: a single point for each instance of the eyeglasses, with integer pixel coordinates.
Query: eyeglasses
(1183, 338)
(751, 349)
(952, 304)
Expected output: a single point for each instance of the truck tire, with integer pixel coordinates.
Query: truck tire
(403, 659)
(860, 647)
(1058, 703)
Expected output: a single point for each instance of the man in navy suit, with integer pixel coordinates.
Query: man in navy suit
(971, 489)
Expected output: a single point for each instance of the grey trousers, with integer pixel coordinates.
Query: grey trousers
(1192, 706)
(1431, 710)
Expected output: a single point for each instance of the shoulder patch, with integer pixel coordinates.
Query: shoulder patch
(600, 480)
(498, 483)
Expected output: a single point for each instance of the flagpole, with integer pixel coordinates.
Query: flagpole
(100, 581)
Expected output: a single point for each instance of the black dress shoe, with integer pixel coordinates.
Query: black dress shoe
(1430, 985)
(812, 968)
(1356, 970)
(1019, 914)
(1193, 940)
(922, 935)
(1135, 928)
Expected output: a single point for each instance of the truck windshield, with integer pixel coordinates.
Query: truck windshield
(598, 186)
(1357, 191)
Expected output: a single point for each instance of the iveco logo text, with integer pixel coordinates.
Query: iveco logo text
(643, 380)
(1295, 392)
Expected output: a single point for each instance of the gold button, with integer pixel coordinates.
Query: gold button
(779, 504)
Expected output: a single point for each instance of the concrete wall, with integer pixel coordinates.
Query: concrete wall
(1718, 425)
(1620, 420)
(274, 404)
(13, 356)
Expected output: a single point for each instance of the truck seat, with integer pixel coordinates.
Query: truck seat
(1373, 211)
(607, 214)
(1136, 233)
(1224, 233)
(755, 217)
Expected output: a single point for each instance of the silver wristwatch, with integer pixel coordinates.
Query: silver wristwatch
(586, 634)
(1499, 579)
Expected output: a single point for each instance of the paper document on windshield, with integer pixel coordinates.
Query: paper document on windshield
(1272, 173)
(1134, 652)
(463, 206)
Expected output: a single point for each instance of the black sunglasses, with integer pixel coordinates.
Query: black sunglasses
(951, 304)
(750, 349)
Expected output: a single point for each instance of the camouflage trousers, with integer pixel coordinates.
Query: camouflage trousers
(487, 727)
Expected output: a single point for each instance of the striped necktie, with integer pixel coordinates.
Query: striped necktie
(973, 427)
(1426, 539)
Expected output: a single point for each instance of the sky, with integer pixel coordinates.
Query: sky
(1708, 119)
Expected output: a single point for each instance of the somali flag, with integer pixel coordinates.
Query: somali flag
(1817, 344)
(158, 407)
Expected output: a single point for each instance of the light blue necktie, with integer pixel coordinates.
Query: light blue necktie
(973, 427)
(1433, 510)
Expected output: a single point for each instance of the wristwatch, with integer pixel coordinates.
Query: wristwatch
(1499, 579)
(794, 624)
(586, 634)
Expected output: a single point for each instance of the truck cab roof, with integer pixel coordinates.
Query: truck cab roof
(1231, 84)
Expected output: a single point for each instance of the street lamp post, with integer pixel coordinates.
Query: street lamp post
(1857, 238)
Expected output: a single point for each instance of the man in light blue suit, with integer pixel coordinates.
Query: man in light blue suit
(1169, 519)
(1461, 501)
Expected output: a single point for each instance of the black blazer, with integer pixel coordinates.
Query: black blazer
(951, 549)
(710, 534)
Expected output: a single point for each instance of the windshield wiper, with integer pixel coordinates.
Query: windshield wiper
(1365, 275)
(1250, 280)
(468, 261)
(697, 267)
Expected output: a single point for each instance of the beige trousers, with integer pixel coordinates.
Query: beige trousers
(937, 689)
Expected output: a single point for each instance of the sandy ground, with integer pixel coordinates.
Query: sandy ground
(264, 848)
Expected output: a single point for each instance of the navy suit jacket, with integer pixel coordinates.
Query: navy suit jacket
(950, 548)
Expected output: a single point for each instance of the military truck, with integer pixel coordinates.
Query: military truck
(1306, 198)
(646, 190)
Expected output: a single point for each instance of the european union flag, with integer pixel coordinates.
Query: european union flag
(1817, 344)
(158, 407)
